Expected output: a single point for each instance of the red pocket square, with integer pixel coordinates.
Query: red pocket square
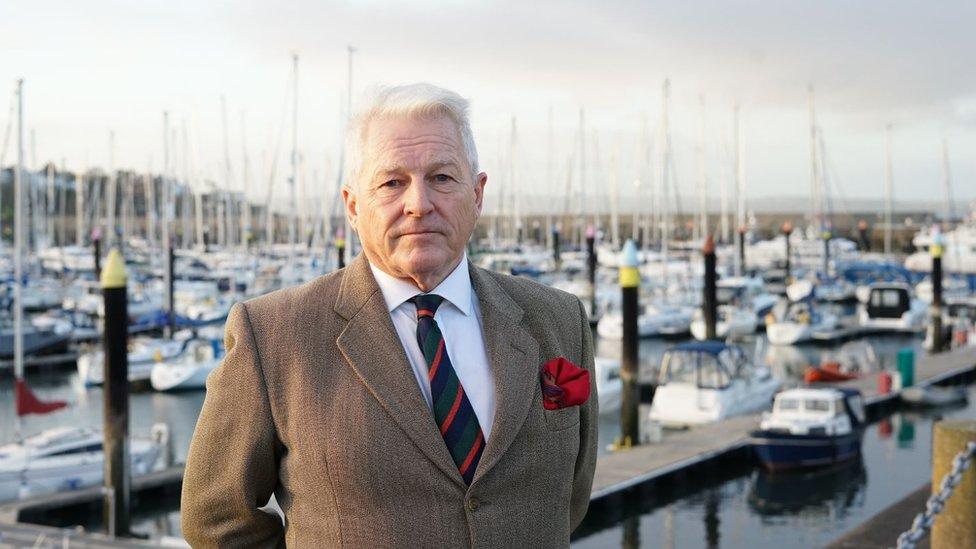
(563, 384)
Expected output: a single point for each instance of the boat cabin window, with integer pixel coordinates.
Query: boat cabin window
(839, 407)
(888, 303)
(787, 405)
(816, 405)
(94, 447)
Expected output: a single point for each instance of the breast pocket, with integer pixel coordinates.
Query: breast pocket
(563, 418)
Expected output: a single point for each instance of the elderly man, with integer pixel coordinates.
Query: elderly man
(410, 399)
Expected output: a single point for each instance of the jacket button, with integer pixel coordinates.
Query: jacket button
(473, 504)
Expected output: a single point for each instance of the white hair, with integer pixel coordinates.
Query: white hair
(420, 100)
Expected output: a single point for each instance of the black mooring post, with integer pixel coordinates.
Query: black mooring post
(170, 290)
(630, 310)
(938, 341)
(862, 229)
(97, 244)
(591, 267)
(116, 396)
(710, 297)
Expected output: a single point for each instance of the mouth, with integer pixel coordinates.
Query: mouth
(419, 233)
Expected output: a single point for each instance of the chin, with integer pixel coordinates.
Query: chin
(428, 261)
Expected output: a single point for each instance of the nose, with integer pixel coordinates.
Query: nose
(417, 200)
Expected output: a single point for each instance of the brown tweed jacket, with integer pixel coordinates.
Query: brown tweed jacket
(316, 403)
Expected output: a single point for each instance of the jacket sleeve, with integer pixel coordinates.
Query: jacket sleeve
(232, 465)
(589, 421)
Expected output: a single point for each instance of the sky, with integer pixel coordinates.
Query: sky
(104, 67)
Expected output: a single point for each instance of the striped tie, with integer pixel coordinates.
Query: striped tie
(452, 410)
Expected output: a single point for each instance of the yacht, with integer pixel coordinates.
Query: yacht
(795, 322)
(810, 428)
(891, 306)
(67, 458)
(731, 322)
(189, 369)
(704, 382)
(143, 353)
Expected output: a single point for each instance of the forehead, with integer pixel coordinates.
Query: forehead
(411, 141)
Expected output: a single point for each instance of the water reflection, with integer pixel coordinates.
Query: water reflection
(827, 492)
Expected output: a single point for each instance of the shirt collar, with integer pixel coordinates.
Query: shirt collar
(456, 288)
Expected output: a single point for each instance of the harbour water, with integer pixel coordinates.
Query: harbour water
(743, 506)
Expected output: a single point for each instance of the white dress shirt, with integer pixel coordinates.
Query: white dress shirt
(459, 319)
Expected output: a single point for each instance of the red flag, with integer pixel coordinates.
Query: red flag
(28, 403)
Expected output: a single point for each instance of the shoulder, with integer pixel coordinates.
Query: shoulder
(282, 308)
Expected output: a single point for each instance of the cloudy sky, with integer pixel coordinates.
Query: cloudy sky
(100, 65)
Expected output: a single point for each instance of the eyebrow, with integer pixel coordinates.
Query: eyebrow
(396, 168)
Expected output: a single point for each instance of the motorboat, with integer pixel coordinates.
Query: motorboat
(143, 353)
(189, 369)
(820, 288)
(795, 322)
(731, 322)
(891, 306)
(854, 359)
(608, 383)
(747, 292)
(708, 381)
(68, 458)
(810, 428)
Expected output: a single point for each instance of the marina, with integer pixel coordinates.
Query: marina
(778, 269)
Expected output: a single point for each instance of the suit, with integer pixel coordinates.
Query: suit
(315, 402)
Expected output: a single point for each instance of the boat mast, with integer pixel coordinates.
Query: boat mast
(550, 184)
(947, 213)
(739, 185)
(245, 203)
(293, 179)
(516, 205)
(666, 166)
(815, 198)
(228, 203)
(166, 228)
(889, 191)
(18, 246)
(111, 181)
(581, 219)
(701, 231)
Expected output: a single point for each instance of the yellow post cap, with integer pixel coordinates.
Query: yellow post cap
(629, 275)
(113, 274)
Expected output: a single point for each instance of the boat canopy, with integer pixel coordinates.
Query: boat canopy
(704, 364)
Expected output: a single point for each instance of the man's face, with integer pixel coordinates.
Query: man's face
(415, 204)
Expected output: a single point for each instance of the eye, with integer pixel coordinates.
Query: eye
(391, 184)
(443, 178)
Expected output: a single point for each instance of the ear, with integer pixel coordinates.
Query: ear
(479, 190)
(352, 212)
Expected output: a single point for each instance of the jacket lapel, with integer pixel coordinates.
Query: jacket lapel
(374, 351)
(514, 357)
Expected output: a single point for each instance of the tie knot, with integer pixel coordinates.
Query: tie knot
(427, 304)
